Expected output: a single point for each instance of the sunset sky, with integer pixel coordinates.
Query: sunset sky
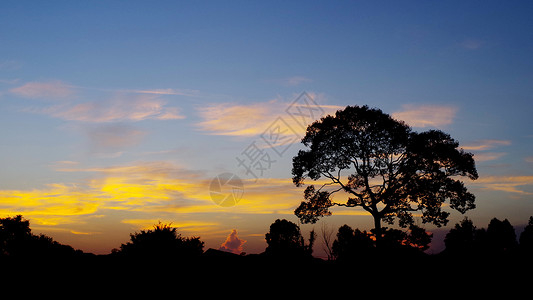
(115, 115)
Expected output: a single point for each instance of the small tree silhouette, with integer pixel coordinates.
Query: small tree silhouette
(461, 238)
(501, 236)
(285, 240)
(163, 241)
(526, 238)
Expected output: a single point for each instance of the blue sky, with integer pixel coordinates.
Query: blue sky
(100, 98)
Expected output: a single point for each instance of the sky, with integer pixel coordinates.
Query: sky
(115, 115)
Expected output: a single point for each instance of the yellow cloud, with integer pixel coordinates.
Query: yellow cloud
(258, 118)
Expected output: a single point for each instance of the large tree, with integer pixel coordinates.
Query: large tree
(384, 167)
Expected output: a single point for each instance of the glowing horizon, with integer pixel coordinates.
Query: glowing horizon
(110, 129)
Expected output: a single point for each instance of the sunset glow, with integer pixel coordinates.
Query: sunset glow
(116, 116)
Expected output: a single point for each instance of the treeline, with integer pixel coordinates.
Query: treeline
(285, 242)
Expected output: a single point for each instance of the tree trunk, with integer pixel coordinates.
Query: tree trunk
(377, 229)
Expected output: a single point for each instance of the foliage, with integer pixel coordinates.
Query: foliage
(16, 240)
(285, 239)
(466, 239)
(163, 241)
(355, 244)
(526, 237)
(385, 168)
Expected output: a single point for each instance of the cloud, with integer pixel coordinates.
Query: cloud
(233, 243)
(286, 118)
(509, 184)
(426, 115)
(44, 90)
(488, 156)
(122, 108)
(181, 92)
(146, 187)
(483, 145)
(106, 138)
(295, 80)
(52, 204)
(191, 226)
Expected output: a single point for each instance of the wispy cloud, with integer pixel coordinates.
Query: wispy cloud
(295, 80)
(181, 92)
(113, 138)
(426, 115)
(480, 148)
(509, 184)
(55, 89)
(488, 156)
(482, 145)
(254, 119)
(121, 108)
(194, 226)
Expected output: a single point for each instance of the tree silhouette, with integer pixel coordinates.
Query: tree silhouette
(385, 168)
(501, 236)
(351, 244)
(163, 241)
(285, 239)
(17, 240)
(461, 238)
(526, 237)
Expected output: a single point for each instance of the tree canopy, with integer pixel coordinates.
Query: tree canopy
(163, 241)
(384, 167)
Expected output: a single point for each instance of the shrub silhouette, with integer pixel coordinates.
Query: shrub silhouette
(163, 241)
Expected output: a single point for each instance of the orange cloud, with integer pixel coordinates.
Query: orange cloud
(510, 184)
(426, 115)
(488, 156)
(233, 243)
(483, 145)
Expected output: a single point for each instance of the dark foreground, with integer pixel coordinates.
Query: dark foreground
(88, 272)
